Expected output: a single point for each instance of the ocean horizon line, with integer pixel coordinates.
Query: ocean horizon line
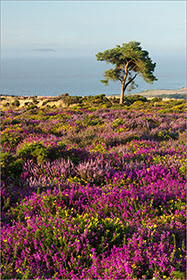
(181, 90)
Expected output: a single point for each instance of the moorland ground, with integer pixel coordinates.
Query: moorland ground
(92, 189)
(64, 101)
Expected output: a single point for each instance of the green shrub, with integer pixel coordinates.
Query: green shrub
(180, 108)
(178, 275)
(100, 100)
(39, 152)
(69, 100)
(130, 99)
(15, 121)
(16, 103)
(35, 101)
(30, 107)
(36, 151)
(10, 166)
(117, 123)
(45, 102)
(114, 100)
(183, 168)
(156, 99)
(92, 120)
(136, 104)
(165, 135)
(56, 152)
(153, 123)
(11, 140)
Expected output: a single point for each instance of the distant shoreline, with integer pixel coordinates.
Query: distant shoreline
(146, 93)
(157, 92)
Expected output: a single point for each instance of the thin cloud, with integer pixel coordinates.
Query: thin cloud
(44, 50)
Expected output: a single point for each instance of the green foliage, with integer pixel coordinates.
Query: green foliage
(156, 99)
(39, 152)
(92, 120)
(97, 101)
(56, 152)
(10, 165)
(178, 275)
(16, 103)
(33, 150)
(45, 102)
(137, 104)
(10, 139)
(30, 106)
(180, 108)
(69, 100)
(165, 135)
(15, 121)
(130, 99)
(117, 123)
(27, 103)
(183, 168)
(35, 101)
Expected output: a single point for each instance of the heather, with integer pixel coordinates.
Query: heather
(94, 191)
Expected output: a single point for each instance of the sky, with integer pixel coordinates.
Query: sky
(83, 28)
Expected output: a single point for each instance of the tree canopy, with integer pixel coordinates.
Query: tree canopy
(129, 60)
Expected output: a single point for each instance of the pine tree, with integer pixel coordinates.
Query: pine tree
(129, 60)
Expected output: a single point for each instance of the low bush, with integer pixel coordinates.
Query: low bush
(16, 103)
(39, 152)
(130, 99)
(11, 166)
(69, 100)
(36, 151)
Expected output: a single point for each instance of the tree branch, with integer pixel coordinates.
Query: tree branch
(130, 80)
(126, 65)
(126, 72)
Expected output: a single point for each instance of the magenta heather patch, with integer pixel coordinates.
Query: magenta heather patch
(93, 195)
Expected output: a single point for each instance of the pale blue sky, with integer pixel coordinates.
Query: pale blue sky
(77, 28)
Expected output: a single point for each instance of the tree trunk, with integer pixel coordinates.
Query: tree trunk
(123, 87)
(122, 94)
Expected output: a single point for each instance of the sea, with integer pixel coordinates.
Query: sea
(79, 76)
